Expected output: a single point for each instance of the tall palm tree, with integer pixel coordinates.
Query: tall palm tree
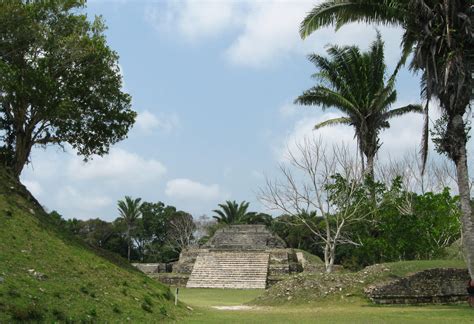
(231, 212)
(129, 210)
(440, 35)
(355, 83)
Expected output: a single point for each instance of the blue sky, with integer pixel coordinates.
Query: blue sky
(213, 84)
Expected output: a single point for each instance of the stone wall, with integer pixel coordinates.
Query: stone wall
(425, 287)
(149, 268)
(186, 260)
(171, 279)
(244, 237)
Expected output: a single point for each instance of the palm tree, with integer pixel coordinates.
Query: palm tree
(129, 210)
(439, 34)
(355, 83)
(231, 212)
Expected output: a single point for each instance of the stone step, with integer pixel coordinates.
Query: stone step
(238, 270)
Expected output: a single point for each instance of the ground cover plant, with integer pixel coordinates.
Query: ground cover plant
(46, 275)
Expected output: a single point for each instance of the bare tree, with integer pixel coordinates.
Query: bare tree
(203, 224)
(181, 230)
(306, 185)
(439, 173)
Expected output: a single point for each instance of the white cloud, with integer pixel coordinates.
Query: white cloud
(404, 134)
(147, 122)
(82, 203)
(288, 110)
(267, 31)
(194, 19)
(33, 186)
(184, 189)
(304, 128)
(118, 166)
(270, 31)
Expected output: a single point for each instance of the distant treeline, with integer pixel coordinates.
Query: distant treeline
(402, 226)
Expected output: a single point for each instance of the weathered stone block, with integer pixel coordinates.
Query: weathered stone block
(438, 285)
(151, 267)
(244, 237)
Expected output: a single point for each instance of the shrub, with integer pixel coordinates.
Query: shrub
(116, 309)
(12, 292)
(92, 312)
(163, 310)
(27, 313)
(59, 315)
(147, 308)
(148, 300)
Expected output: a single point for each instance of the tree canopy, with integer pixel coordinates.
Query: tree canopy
(355, 83)
(439, 36)
(60, 82)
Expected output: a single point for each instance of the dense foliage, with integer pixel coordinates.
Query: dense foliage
(153, 236)
(59, 82)
(439, 39)
(397, 225)
(402, 226)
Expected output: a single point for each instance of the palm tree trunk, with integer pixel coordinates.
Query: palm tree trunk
(467, 217)
(369, 171)
(128, 241)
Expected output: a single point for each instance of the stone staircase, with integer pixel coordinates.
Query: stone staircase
(230, 269)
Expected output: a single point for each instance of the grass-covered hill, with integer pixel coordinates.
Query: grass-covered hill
(46, 275)
(343, 286)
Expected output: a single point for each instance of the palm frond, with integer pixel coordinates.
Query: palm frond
(327, 98)
(424, 139)
(334, 122)
(402, 111)
(340, 12)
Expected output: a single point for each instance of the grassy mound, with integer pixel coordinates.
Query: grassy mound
(343, 286)
(46, 275)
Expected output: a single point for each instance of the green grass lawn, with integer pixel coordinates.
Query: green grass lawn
(353, 310)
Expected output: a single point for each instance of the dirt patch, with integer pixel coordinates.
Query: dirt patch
(238, 307)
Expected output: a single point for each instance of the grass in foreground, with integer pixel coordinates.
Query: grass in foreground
(355, 310)
(47, 276)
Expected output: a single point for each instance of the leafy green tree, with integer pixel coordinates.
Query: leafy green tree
(404, 226)
(155, 232)
(60, 83)
(57, 219)
(155, 219)
(355, 83)
(96, 232)
(439, 35)
(296, 234)
(231, 212)
(129, 210)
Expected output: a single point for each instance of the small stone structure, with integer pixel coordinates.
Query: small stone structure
(237, 256)
(430, 286)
